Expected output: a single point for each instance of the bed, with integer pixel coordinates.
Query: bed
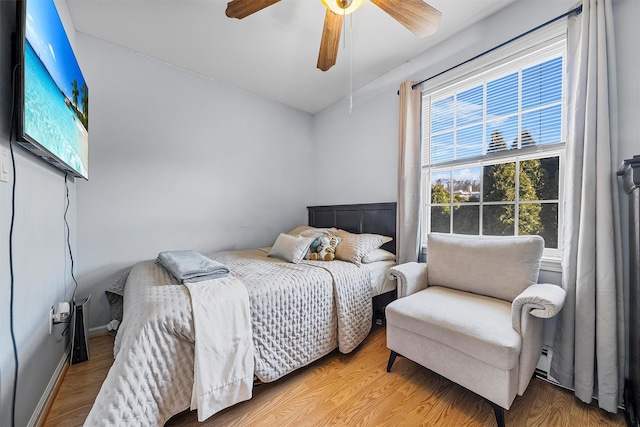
(298, 313)
(378, 218)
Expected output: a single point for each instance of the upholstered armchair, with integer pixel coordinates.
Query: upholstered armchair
(474, 313)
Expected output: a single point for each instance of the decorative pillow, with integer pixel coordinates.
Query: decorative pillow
(353, 247)
(378, 255)
(290, 248)
(308, 231)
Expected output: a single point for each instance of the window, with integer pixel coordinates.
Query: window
(493, 143)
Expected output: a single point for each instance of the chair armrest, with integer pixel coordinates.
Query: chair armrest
(410, 277)
(541, 300)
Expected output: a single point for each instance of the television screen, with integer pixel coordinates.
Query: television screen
(53, 101)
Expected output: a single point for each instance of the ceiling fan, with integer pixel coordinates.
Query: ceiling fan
(416, 15)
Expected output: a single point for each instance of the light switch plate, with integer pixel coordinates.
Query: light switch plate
(4, 165)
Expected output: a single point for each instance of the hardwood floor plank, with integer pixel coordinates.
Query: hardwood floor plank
(81, 384)
(352, 389)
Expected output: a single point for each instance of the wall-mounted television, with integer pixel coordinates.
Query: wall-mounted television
(52, 99)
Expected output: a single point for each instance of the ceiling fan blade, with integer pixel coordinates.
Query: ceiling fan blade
(416, 15)
(330, 40)
(243, 8)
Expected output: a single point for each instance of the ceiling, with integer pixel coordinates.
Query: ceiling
(273, 52)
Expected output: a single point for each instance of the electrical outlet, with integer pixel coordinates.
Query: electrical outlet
(63, 313)
(4, 165)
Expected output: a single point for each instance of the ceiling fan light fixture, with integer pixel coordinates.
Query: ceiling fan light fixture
(343, 7)
(415, 15)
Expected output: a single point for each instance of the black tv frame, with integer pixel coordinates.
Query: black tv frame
(24, 140)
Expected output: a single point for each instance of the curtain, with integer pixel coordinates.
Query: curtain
(589, 350)
(409, 175)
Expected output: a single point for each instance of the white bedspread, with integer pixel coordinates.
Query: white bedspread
(223, 359)
(299, 313)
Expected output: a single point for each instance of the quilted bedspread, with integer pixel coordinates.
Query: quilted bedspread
(299, 313)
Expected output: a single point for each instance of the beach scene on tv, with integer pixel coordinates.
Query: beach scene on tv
(56, 96)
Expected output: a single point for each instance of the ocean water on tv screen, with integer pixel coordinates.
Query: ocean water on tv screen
(49, 120)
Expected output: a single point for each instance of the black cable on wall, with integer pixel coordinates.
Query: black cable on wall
(11, 272)
(66, 223)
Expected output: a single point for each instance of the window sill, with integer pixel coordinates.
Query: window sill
(551, 264)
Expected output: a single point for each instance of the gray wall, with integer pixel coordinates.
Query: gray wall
(369, 134)
(213, 168)
(41, 264)
(626, 14)
(181, 162)
(626, 17)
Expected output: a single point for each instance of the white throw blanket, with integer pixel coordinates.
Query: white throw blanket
(223, 361)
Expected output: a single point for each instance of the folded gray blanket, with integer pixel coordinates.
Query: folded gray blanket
(190, 266)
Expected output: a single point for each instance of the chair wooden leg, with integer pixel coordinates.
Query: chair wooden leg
(392, 358)
(499, 413)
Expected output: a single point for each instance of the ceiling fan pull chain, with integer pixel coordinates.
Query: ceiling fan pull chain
(350, 63)
(344, 29)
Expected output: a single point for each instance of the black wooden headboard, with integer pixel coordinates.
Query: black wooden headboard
(375, 218)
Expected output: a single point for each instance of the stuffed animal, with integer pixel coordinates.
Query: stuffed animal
(324, 248)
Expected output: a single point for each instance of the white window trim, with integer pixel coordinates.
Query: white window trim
(525, 46)
(551, 264)
(545, 43)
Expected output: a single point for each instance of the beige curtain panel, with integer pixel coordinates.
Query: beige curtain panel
(589, 353)
(409, 175)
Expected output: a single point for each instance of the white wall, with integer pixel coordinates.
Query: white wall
(356, 154)
(368, 136)
(178, 161)
(40, 258)
(626, 14)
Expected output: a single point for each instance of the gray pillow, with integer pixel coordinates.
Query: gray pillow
(290, 248)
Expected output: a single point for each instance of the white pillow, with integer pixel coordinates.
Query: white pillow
(378, 255)
(290, 248)
(353, 247)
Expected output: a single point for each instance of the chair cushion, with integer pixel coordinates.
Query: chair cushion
(476, 325)
(495, 266)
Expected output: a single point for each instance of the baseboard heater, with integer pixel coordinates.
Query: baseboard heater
(544, 364)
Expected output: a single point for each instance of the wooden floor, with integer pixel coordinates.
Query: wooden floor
(348, 390)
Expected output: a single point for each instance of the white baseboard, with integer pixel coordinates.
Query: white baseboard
(98, 330)
(41, 411)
